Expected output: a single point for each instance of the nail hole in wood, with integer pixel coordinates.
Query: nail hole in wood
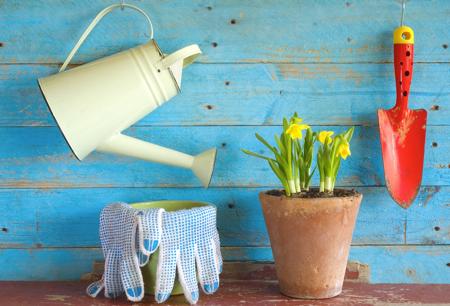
(434, 144)
(159, 70)
(347, 4)
(233, 21)
(209, 106)
(231, 205)
(437, 228)
(405, 93)
(349, 39)
(445, 46)
(227, 83)
(1, 44)
(408, 53)
(406, 73)
(209, 8)
(214, 44)
(401, 63)
(448, 264)
(4, 229)
(400, 82)
(410, 272)
(435, 107)
(224, 144)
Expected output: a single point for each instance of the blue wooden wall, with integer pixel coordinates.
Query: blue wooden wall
(331, 61)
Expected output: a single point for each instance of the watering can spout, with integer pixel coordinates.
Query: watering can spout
(202, 165)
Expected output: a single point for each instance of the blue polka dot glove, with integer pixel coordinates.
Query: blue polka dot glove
(121, 231)
(190, 245)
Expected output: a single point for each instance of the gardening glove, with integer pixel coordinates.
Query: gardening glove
(148, 233)
(189, 237)
(119, 224)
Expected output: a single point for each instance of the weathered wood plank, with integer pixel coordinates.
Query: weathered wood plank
(69, 217)
(231, 293)
(388, 264)
(251, 271)
(428, 220)
(291, 31)
(47, 264)
(405, 264)
(259, 94)
(38, 157)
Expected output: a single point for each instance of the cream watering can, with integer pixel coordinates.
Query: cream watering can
(93, 103)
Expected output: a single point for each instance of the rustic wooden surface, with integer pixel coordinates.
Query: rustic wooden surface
(329, 60)
(230, 293)
(245, 270)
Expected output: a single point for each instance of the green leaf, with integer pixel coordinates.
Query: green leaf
(285, 125)
(256, 155)
(264, 142)
(281, 176)
(349, 134)
(308, 179)
(280, 144)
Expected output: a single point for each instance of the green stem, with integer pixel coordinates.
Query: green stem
(292, 185)
(297, 185)
(329, 184)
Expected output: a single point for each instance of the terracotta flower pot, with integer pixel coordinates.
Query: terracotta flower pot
(310, 240)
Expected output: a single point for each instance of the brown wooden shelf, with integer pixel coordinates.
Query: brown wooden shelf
(231, 292)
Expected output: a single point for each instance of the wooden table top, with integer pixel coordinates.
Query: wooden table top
(230, 293)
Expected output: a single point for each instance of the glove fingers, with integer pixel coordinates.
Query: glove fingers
(132, 278)
(108, 221)
(112, 282)
(130, 273)
(188, 276)
(207, 265)
(143, 258)
(150, 229)
(218, 253)
(165, 275)
(94, 289)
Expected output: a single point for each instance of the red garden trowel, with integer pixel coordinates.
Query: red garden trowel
(402, 130)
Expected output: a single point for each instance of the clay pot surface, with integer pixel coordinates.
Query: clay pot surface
(310, 239)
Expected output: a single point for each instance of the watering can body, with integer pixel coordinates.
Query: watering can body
(93, 103)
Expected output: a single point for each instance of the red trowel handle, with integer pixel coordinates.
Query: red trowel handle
(403, 63)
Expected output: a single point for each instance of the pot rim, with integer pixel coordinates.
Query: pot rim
(171, 205)
(283, 196)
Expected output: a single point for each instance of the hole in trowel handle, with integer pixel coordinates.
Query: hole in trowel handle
(406, 35)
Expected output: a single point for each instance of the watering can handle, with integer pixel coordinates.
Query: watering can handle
(94, 22)
(186, 54)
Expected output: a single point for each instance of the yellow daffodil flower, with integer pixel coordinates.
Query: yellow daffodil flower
(344, 150)
(324, 134)
(297, 120)
(295, 130)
